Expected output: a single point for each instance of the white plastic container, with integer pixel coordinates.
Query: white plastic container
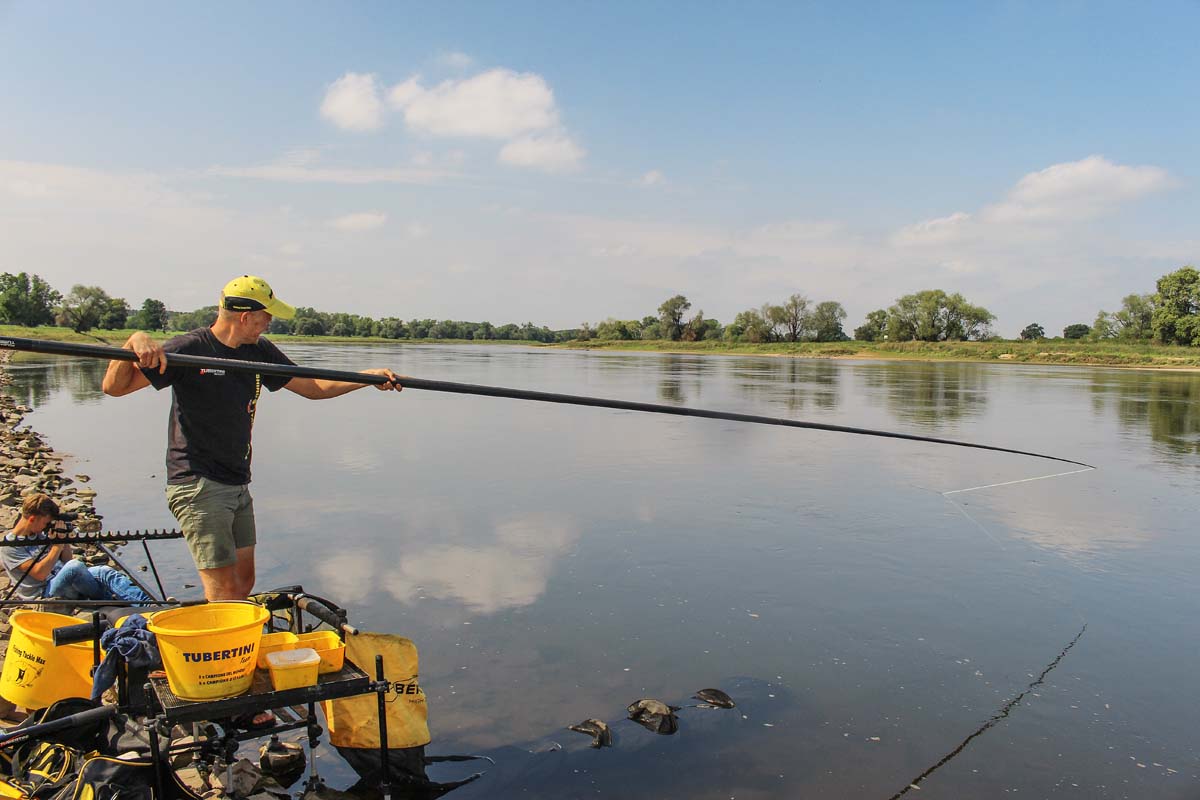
(292, 669)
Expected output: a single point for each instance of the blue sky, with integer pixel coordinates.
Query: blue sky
(563, 162)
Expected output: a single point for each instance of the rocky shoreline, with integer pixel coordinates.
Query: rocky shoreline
(29, 464)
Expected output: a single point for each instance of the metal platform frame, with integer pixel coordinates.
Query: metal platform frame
(160, 709)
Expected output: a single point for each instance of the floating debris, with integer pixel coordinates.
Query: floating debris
(655, 715)
(598, 730)
(714, 698)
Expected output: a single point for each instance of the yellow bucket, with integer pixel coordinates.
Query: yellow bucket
(209, 651)
(36, 673)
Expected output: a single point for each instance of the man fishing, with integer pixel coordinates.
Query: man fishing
(212, 414)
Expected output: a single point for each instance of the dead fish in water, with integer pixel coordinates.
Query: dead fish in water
(713, 698)
(655, 715)
(598, 730)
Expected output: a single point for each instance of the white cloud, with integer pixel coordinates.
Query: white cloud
(299, 166)
(553, 152)
(455, 60)
(497, 104)
(362, 221)
(405, 92)
(933, 231)
(1077, 190)
(517, 108)
(1041, 203)
(652, 178)
(418, 175)
(352, 103)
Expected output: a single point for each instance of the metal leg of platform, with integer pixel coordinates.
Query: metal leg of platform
(155, 753)
(385, 779)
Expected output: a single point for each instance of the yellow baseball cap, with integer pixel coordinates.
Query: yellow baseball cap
(249, 293)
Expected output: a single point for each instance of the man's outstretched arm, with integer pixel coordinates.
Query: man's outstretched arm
(318, 389)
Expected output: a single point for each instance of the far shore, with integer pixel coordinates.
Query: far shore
(1045, 351)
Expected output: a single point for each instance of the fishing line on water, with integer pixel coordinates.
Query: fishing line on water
(1022, 480)
(1000, 715)
(1012, 703)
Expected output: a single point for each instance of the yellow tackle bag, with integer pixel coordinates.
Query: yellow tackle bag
(353, 721)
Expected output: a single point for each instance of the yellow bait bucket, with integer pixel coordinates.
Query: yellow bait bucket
(36, 673)
(209, 651)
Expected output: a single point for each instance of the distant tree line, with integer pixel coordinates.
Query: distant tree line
(1170, 315)
(795, 320)
(28, 300)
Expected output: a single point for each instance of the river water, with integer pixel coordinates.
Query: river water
(866, 613)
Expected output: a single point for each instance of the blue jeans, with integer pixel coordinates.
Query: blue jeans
(75, 580)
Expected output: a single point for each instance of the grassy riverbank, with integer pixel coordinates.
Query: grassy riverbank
(1043, 352)
(1058, 351)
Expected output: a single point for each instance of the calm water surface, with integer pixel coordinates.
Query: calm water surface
(556, 563)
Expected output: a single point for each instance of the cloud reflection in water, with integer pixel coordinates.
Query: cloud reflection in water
(508, 571)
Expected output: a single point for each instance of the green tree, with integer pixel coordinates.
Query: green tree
(874, 328)
(1133, 323)
(115, 314)
(190, 320)
(653, 331)
(752, 326)
(152, 316)
(1176, 317)
(308, 326)
(26, 300)
(670, 317)
(1033, 331)
(827, 320)
(1136, 317)
(341, 325)
(795, 317)
(1103, 327)
(934, 316)
(619, 329)
(776, 317)
(83, 308)
(1076, 331)
(392, 328)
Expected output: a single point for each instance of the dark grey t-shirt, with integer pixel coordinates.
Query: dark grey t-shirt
(13, 557)
(212, 411)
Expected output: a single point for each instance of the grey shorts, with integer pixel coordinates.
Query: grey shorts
(217, 519)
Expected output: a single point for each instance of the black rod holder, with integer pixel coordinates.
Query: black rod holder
(385, 783)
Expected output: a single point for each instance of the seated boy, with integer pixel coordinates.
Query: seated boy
(55, 573)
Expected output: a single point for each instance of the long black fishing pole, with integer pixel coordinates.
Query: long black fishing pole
(294, 371)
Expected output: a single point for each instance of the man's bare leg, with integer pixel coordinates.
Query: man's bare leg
(221, 583)
(245, 570)
(233, 582)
